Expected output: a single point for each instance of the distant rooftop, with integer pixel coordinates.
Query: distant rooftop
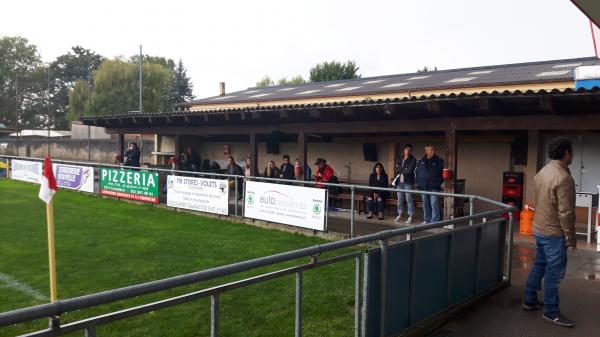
(495, 75)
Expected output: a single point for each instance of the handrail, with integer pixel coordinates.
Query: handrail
(81, 302)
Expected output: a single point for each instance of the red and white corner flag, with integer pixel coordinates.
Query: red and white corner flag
(48, 186)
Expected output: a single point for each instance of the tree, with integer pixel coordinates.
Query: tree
(334, 70)
(427, 69)
(181, 88)
(265, 82)
(20, 66)
(294, 80)
(115, 89)
(64, 72)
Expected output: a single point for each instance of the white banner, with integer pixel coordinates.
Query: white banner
(25, 170)
(79, 178)
(287, 204)
(198, 194)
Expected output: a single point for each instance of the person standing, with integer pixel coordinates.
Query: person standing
(405, 180)
(132, 156)
(191, 160)
(430, 178)
(248, 168)
(234, 169)
(376, 198)
(271, 171)
(287, 169)
(554, 230)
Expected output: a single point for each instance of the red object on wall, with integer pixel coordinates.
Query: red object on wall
(512, 189)
(227, 150)
(447, 174)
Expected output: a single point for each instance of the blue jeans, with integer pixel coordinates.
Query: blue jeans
(375, 206)
(410, 205)
(431, 207)
(550, 264)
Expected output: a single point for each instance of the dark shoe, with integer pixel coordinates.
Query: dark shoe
(558, 319)
(370, 215)
(380, 216)
(532, 306)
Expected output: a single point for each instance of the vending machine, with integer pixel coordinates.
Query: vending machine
(512, 190)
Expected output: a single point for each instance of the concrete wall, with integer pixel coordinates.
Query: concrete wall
(101, 151)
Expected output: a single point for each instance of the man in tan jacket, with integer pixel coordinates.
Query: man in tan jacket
(554, 229)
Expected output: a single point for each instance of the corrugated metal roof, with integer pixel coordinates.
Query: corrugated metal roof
(506, 74)
(364, 102)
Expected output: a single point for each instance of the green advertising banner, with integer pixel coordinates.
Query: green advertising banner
(128, 184)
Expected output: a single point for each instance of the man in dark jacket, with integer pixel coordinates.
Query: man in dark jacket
(132, 156)
(234, 169)
(430, 178)
(404, 179)
(191, 160)
(287, 169)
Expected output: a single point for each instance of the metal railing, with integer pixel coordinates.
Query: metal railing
(361, 245)
(354, 189)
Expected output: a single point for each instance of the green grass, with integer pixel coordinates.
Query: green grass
(104, 244)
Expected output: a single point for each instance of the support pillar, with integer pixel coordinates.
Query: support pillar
(253, 153)
(302, 152)
(177, 151)
(535, 161)
(451, 156)
(121, 146)
(28, 147)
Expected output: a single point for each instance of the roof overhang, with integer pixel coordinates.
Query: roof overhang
(591, 8)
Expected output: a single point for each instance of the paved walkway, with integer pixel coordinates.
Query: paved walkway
(502, 316)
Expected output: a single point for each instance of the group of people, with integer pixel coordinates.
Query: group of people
(425, 174)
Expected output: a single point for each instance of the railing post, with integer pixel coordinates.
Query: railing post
(298, 321)
(54, 324)
(471, 209)
(236, 195)
(357, 306)
(352, 192)
(244, 194)
(90, 331)
(508, 273)
(383, 287)
(214, 315)
(365, 296)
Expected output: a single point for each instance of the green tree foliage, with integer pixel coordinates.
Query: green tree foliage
(181, 87)
(20, 90)
(427, 69)
(265, 82)
(333, 71)
(65, 71)
(294, 80)
(116, 90)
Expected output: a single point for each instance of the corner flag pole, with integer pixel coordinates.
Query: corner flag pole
(51, 250)
(48, 188)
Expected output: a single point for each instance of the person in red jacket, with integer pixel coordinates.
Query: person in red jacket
(323, 174)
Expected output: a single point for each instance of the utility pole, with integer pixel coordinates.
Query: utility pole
(89, 148)
(48, 113)
(141, 109)
(16, 122)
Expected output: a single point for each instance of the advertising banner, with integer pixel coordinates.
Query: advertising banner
(291, 205)
(3, 168)
(198, 194)
(129, 184)
(25, 170)
(79, 178)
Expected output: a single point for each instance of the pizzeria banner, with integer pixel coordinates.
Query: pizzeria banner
(79, 178)
(25, 170)
(287, 204)
(198, 194)
(129, 184)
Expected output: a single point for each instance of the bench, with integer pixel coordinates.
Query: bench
(362, 204)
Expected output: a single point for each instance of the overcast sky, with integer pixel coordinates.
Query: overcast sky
(239, 42)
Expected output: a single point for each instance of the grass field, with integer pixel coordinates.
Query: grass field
(104, 244)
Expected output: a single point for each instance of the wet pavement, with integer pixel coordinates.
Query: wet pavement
(501, 314)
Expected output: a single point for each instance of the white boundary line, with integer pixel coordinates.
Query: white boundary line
(22, 287)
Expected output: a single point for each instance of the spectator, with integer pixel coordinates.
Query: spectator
(190, 160)
(132, 156)
(248, 168)
(302, 173)
(234, 169)
(405, 180)
(376, 198)
(271, 171)
(324, 173)
(554, 229)
(287, 169)
(429, 178)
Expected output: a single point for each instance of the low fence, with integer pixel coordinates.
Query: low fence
(315, 202)
(399, 288)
